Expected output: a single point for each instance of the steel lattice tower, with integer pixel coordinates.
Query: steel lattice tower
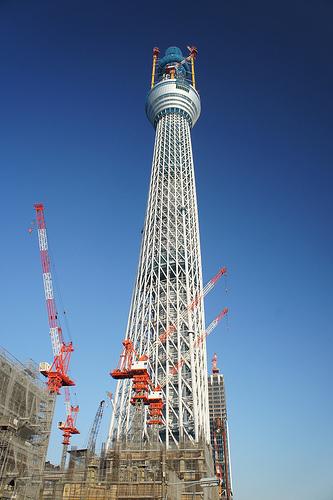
(169, 273)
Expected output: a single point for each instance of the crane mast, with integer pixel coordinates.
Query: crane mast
(68, 429)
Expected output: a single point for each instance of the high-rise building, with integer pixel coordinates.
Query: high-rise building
(166, 316)
(219, 428)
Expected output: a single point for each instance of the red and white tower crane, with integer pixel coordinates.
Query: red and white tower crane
(57, 373)
(68, 428)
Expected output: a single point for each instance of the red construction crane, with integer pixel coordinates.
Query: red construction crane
(155, 400)
(57, 373)
(68, 428)
(138, 371)
(124, 368)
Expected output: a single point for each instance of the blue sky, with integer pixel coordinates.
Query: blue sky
(74, 136)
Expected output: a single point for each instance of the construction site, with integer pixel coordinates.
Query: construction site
(168, 433)
(26, 414)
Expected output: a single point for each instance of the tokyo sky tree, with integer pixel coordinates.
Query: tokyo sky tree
(166, 319)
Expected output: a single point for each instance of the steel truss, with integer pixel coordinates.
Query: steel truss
(169, 277)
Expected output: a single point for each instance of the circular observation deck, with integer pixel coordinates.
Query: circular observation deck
(173, 95)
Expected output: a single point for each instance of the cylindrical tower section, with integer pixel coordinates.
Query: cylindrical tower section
(173, 96)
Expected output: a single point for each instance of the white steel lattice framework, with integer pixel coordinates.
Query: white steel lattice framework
(169, 274)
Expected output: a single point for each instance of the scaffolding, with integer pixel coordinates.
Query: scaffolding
(26, 414)
(127, 473)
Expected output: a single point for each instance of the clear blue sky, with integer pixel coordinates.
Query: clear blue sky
(74, 136)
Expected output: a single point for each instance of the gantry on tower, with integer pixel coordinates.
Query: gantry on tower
(166, 319)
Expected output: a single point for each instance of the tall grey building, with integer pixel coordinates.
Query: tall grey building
(219, 427)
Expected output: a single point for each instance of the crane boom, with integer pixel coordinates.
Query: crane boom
(173, 327)
(155, 397)
(55, 331)
(95, 427)
(199, 341)
(57, 373)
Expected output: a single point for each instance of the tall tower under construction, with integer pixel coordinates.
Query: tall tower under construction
(166, 322)
(158, 443)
